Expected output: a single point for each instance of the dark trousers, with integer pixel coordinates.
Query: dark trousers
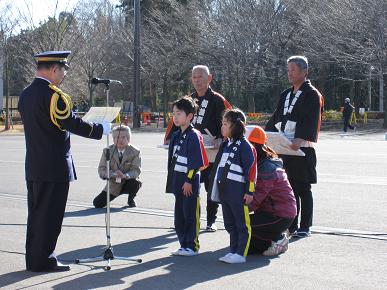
(131, 187)
(212, 206)
(46, 207)
(346, 124)
(237, 223)
(304, 198)
(187, 220)
(266, 228)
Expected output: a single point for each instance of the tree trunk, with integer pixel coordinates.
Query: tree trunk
(381, 84)
(165, 98)
(385, 99)
(7, 92)
(90, 95)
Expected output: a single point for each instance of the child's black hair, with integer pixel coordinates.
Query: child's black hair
(238, 122)
(186, 104)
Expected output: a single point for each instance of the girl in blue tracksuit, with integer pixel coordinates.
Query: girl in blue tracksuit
(186, 156)
(233, 183)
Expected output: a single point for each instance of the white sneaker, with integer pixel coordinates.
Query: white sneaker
(188, 252)
(278, 247)
(234, 259)
(225, 257)
(178, 252)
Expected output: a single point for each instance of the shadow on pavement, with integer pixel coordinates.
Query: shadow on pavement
(182, 272)
(91, 211)
(134, 248)
(15, 277)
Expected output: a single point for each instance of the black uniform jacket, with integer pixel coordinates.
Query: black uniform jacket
(306, 115)
(48, 155)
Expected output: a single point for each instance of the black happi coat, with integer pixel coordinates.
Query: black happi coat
(299, 118)
(212, 119)
(209, 115)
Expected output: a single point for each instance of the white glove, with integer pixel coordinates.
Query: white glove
(106, 128)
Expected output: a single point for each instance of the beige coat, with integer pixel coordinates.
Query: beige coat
(130, 164)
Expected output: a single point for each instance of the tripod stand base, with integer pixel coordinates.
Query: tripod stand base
(107, 256)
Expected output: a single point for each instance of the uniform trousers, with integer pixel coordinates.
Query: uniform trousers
(304, 199)
(130, 187)
(347, 124)
(302, 173)
(187, 220)
(237, 223)
(46, 207)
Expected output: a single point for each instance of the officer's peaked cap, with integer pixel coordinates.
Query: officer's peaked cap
(53, 57)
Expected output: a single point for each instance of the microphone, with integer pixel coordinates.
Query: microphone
(96, 81)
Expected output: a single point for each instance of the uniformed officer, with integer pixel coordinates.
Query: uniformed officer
(48, 118)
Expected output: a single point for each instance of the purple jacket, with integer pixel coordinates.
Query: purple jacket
(273, 193)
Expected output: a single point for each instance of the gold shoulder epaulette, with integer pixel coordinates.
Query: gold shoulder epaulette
(56, 113)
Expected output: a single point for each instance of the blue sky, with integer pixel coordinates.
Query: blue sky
(35, 11)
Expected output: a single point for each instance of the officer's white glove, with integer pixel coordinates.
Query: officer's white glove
(106, 127)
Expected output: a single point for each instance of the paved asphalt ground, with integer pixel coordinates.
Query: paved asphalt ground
(347, 250)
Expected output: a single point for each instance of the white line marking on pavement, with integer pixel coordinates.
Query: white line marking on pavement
(169, 213)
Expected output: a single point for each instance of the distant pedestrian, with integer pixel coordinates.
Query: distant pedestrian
(347, 113)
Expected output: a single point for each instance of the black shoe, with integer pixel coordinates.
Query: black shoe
(55, 268)
(131, 203)
(211, 227)
(59, 268)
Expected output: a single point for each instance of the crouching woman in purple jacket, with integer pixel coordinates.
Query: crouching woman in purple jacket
(273, 207)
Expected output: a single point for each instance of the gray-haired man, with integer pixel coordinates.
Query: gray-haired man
(298, 116)
(125, 168)
(208, 120)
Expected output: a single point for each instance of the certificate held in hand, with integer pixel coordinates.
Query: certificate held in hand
(281, 145)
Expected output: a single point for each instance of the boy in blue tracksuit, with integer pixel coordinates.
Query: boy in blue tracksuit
(186, 157)
(234, 182)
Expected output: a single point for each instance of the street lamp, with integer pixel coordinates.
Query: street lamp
(136, 57)
(369, 87)
(136, 69)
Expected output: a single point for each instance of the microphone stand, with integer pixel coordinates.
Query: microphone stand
(108, 254)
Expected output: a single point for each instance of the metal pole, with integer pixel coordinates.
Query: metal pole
(381, 93)
(108, 158)
(7, 83)
(369, 88)
(2, 51)
(136, 69)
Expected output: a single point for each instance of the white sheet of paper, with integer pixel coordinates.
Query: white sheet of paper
(209, 141)
(280, 144)
(101, 114)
